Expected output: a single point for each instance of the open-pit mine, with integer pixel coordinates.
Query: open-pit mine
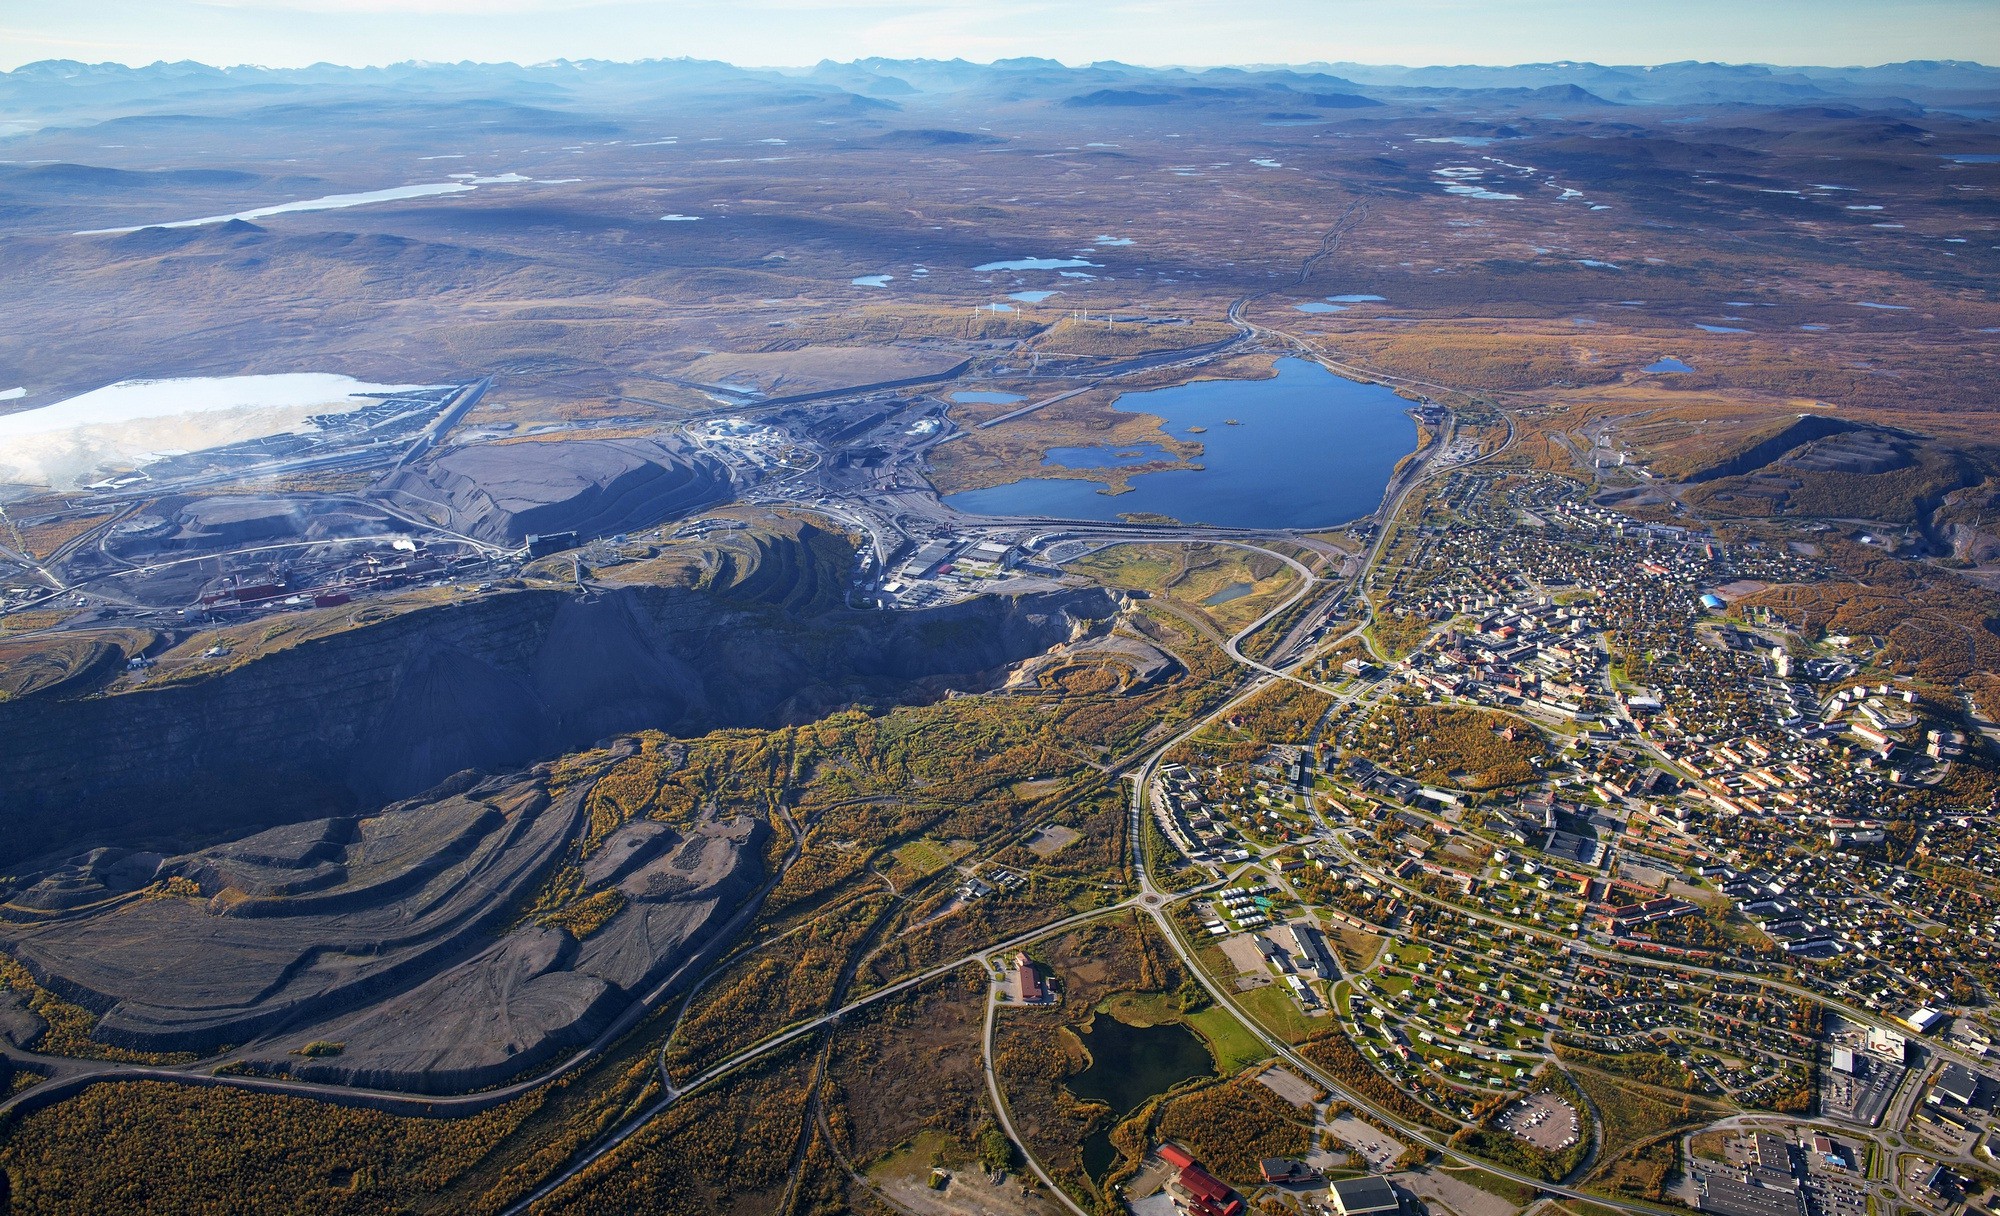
(998, 640)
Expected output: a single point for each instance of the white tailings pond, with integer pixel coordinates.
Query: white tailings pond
(124, 423)
(332, 202)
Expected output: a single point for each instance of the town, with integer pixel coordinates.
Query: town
(1584, 797)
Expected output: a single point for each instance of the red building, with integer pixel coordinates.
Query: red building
(1029, 983)
(1199, 1192)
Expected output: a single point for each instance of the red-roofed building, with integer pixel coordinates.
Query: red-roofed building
(1198, 1192)
(1029, 984)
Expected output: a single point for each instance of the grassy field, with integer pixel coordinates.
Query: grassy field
(1641, 1173)
(1273, 1006)
(1632, 1113)
(1229, 1041)
(1226, 586)
(1583, 1207)
(1356, 949)
(927, 856)
(1520, 1194)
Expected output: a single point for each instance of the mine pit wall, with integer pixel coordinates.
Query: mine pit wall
(1808, 428)
(351, 722)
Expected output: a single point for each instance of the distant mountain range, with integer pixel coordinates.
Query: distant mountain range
(44, 91)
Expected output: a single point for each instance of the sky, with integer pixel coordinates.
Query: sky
(769, 33)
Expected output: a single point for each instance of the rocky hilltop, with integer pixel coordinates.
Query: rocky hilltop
(505, 492)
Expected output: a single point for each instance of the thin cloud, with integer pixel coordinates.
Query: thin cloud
(553, 8)
(1195, 32)
(411, 8)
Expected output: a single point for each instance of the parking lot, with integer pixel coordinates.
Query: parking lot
(1543, 1120)
(1860, 1099)
(1377, 1148)
(1833, 1190)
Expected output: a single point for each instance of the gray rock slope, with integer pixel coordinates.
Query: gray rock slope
(397, 935)
(506, 492)
(537, 991)
(292, 919)
(348, 723)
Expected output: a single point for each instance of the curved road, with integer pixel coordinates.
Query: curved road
(73, 1075)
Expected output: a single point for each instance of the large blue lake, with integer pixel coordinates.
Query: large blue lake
(1310, 450)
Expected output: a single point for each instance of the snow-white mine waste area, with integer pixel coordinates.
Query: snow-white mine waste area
(331, 202)
(62, 444)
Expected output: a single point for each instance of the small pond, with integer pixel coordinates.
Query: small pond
(1033, 264)
(1130, 1064)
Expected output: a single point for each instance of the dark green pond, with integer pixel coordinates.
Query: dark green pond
(1129, 1064)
